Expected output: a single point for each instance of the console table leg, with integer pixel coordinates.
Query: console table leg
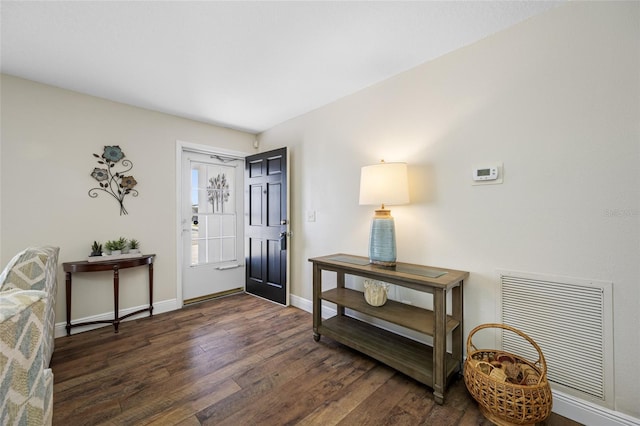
(116, 290)
(340, 284)
(457, 310)
(439, 345)
(151, 289)
(317, 305)
(68, 296)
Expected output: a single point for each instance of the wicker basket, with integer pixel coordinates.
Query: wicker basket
(501, 401)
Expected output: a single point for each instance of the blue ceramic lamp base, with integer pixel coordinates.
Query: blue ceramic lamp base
(382, 239)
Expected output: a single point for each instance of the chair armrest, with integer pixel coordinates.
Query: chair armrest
(22, 367)
(36, 268)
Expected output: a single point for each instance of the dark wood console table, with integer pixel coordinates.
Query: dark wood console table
(433, 366)
(108, 265)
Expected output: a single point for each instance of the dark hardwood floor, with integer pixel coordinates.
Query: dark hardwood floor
(238, 360)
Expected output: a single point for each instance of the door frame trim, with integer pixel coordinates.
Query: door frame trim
(289, 231)
(181, 147)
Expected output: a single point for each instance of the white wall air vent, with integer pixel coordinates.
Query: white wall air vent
(572, 322)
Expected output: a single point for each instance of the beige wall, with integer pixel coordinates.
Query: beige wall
(556, 99)
(48, 138)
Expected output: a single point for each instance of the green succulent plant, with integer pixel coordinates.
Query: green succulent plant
(119, 244)
(96, 249)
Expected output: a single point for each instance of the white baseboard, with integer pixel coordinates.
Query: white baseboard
(158, 308)
(568, 406)
(307, 305)
(588, 413)
(301, 303)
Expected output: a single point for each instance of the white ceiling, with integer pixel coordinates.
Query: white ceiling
(244, 65)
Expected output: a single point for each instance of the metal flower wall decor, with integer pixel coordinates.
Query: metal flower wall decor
(115, 183)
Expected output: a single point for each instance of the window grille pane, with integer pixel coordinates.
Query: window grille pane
(228, 225)
(228, 249)
(213, 252)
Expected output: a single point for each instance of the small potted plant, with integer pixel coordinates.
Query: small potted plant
(96, 249)
(120, 244)
(110, 247)
(134, 246)
(116, 246)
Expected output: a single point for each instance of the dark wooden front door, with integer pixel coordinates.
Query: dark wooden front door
(266, 225)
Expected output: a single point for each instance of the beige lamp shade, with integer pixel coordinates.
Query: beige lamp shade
(384, 183)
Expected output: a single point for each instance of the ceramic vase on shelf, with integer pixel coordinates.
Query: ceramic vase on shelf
(375, 292)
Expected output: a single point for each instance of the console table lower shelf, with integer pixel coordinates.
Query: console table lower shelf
(412, 358)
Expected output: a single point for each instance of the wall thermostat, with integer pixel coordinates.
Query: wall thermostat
(485, 173)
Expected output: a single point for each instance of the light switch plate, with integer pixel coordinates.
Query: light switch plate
(311, 215)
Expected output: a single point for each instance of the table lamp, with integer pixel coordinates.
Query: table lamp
(380, 184)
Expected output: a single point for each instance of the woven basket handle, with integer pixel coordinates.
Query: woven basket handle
(541, 361)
